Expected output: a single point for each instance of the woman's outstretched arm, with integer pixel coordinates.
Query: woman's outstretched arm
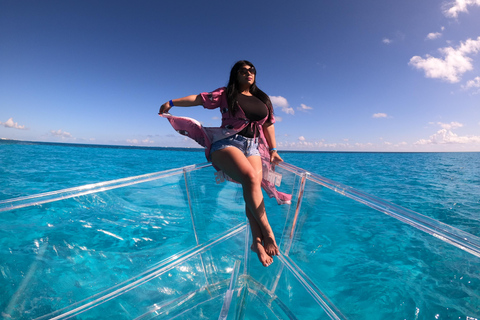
(188, 101)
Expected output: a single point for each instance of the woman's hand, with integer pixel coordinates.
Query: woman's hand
(165, 108)
(274, 157)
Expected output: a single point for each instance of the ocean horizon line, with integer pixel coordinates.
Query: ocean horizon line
(196, 149)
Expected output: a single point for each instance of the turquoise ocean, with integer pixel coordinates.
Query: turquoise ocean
(443, 186)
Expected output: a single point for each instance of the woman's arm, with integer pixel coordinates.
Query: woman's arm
(188, 101)
(269, 131)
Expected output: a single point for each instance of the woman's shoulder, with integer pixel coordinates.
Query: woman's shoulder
(215, 93)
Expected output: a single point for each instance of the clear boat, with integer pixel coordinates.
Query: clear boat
(176, 245)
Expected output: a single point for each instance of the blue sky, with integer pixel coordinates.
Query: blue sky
(343, 75)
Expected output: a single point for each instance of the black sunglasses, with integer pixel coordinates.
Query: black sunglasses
(245, 71)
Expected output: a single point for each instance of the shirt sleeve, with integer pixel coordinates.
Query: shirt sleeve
(214, 99)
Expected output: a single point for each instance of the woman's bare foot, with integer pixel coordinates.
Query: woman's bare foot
(270, 245)
(264, 258)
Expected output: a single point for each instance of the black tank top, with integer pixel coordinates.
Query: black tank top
(254, 110)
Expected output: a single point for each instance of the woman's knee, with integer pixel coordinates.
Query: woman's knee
(251, 178)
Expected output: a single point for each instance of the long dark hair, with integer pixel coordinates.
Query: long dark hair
(233, 85)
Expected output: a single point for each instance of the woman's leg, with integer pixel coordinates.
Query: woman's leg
(248, 172)
(257, 240)
(257, 237)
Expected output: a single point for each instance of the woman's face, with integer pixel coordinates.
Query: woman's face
(246, 75)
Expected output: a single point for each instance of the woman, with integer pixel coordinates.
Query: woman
(247, 122)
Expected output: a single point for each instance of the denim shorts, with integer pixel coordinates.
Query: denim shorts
(249, 146)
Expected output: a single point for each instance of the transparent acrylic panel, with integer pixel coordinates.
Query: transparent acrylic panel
(289, 300)
(58, 253)
(175, 245)
(278, 214)
(215, 207)
(372, 266)
(279, 291)
(177, 288)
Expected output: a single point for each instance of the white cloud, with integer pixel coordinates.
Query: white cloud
(278, 119)
(475, 83)
(144, 141)
(11, 124)
(379, 115)
(60, 133)
(279, 101)
(304, 108)
(282, 103)
(446, 136)
(364, 145)
(386, 41)
(303, 144)
(452, 66)
(307, 145)
(454, 8)
(451, 125)
(433, 35)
